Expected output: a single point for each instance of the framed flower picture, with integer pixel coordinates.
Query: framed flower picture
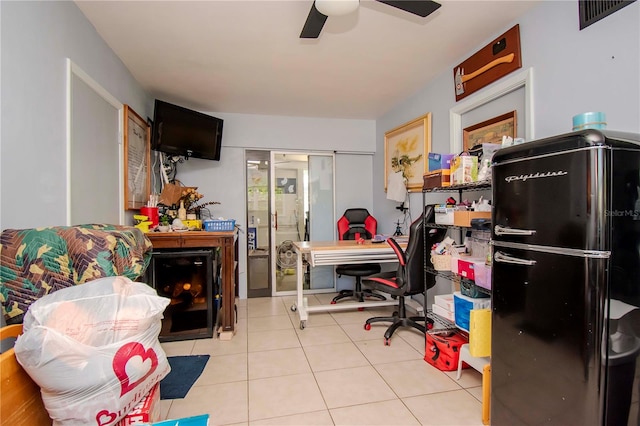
(405, 150)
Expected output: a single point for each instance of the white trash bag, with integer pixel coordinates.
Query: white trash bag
(93, 349)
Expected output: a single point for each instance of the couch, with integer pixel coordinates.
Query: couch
(38, 261)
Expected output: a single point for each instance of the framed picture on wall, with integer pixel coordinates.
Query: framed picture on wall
(137, 158)
(405, 150)
(490, 131)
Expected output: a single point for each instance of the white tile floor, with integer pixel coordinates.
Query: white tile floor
(331, 373)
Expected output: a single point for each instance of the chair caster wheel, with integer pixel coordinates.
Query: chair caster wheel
(333, 302)
(294, 308)
(367, 326)
(303, 324)
(387, 341)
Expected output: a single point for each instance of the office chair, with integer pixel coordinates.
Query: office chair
(354, 224)
(409, 278)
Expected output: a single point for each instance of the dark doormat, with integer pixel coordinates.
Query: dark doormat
(188, 320)
(185, 370)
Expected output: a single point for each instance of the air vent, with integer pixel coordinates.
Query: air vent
(591, 11)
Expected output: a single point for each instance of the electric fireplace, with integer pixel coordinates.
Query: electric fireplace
(186, 278)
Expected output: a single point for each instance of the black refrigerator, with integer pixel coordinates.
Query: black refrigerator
(566, 281)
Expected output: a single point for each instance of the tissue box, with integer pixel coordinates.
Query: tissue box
(463, 306)
(439, 161)
(464, 169)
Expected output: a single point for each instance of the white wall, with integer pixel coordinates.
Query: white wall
(596, 69)
(37, 37)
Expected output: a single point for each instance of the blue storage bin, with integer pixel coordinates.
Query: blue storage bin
(219, 225)
(463, 306)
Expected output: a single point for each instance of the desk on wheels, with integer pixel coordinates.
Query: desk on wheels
(343, 252)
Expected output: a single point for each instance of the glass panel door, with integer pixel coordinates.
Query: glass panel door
(258, 236)
(301, 190)
(321, 212)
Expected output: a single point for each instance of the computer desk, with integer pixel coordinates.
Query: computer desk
(343, 252)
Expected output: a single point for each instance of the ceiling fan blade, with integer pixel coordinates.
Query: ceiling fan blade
(421, 8)
(314, 23)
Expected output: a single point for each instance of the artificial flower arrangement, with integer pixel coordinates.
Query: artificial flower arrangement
(190, 198)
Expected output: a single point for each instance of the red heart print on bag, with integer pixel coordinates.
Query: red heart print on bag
(110, 417)
(124, 356)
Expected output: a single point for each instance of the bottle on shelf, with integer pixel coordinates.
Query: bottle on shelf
(182, 212)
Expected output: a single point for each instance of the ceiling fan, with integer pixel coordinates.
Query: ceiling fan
(321, 9)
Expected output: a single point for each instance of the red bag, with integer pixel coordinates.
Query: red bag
(443, 350)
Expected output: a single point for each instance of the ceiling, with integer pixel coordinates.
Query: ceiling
(246, 56)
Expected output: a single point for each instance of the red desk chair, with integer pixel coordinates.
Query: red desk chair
(354, 224)
(409, 279)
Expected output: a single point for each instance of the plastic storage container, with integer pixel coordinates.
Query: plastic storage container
(463, 306)
(483, 276)
(219, 225)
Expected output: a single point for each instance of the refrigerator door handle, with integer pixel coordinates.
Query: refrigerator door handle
(503, 230)
(504, 258)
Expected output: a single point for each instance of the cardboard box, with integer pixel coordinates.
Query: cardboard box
(146, 411)
(463, 306)
(463, 217)
(464, 169)
(439, 161)
(436, 179)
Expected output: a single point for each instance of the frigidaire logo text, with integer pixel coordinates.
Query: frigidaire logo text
(535, 176)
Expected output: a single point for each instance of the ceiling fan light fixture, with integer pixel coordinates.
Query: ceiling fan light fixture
(336, 7)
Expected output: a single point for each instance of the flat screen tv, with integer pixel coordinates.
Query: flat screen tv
(181, 131)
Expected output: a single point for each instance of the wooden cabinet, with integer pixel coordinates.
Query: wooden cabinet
(226, 241)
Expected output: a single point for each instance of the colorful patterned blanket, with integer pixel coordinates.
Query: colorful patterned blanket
(35, 262)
